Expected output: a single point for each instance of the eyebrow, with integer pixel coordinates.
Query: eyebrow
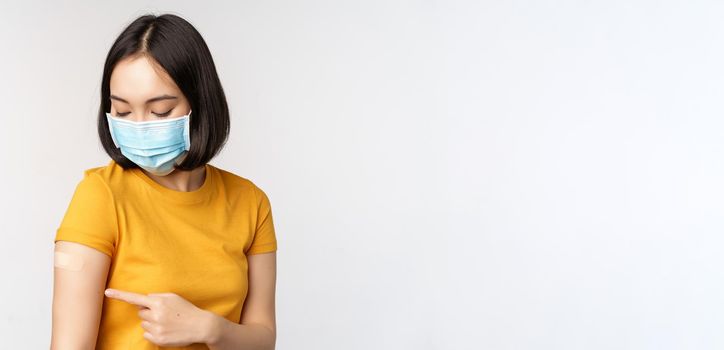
(157, 98)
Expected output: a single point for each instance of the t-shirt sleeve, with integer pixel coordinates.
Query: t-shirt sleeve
(265, 240)
(90, 218)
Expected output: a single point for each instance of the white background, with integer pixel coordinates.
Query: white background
(443, 174)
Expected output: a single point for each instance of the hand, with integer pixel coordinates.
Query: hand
(169, 319)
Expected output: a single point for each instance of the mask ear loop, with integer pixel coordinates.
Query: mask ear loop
(187, 132)
(187, 139)
(110, 129)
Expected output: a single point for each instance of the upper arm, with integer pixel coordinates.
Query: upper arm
(264, 239)
(89, 233)
(259, 306)
(78, 297)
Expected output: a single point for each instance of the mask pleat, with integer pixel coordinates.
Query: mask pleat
(154, 145)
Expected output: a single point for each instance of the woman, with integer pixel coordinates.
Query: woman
(184, 251)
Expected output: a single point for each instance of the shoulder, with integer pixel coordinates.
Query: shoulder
(234, 180)
(110, 179)
(240, 184)
(107, 176)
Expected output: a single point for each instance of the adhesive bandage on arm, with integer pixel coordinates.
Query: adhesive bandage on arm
(69, 261)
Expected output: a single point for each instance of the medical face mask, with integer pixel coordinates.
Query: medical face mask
(155, 145)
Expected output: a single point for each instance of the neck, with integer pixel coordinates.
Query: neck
(181, 180)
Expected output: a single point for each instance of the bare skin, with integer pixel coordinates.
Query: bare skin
(78, 298)
(168, 319)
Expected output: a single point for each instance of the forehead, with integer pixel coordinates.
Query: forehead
(136, 79)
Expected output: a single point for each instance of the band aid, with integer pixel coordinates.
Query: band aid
(68, 261)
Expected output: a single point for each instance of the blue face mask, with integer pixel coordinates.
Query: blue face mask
(155, 145)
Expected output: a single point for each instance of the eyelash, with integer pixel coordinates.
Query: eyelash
(165, 114)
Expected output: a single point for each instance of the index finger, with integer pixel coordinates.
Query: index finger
(129, 297)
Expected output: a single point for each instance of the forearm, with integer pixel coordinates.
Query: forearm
(222, 334)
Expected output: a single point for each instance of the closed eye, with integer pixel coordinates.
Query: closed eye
(164, 114)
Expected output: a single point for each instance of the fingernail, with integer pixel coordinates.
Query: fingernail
(109, 292)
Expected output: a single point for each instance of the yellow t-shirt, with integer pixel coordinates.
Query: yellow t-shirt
(194, 244)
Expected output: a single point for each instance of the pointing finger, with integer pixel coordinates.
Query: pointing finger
(129, 297)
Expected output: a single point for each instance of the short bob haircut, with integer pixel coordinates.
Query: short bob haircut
(175, 45)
